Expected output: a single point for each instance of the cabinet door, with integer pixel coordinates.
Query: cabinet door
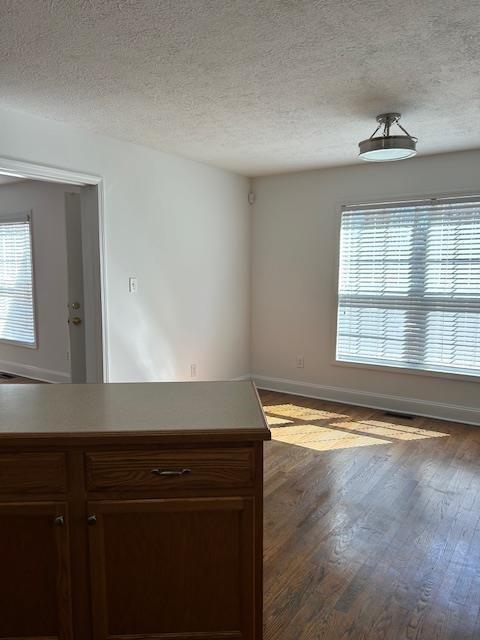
(179, 569)
(35, 584)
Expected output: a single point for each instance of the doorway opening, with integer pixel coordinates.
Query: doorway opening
(52, 305)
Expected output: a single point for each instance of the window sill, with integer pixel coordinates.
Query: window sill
(459, 377)
(15, 343)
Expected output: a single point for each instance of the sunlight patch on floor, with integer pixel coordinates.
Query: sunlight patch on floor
(389, 430)
(322, 438)
(296, 412)
(274, 421)
(323, 430)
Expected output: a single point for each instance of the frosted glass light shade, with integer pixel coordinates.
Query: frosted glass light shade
(387, 148)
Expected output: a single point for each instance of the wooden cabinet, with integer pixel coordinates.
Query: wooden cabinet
(30, 474)
(171, 470)
(35, 589)
(181, 566)
(116, 533)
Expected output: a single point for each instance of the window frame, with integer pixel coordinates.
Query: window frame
(18, 343)
(379, 368)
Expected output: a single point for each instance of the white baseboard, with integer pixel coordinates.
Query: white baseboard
(439, 410)
(245, 377)
(36, 373)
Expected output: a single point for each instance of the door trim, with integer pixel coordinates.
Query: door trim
(35, 171)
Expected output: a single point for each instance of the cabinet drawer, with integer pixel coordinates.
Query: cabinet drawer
(32, 473)
(157, 471)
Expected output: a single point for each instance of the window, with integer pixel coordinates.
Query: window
(17, 319)
(409, 285)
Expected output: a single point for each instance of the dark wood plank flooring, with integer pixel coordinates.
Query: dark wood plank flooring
(372, 525)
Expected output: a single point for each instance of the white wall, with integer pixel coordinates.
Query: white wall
(180, 227)
(295, 243)
(47, 204)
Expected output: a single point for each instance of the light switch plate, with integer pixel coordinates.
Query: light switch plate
(132, 285)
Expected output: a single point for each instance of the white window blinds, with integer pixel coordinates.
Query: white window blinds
(409, 285)
(17, 322)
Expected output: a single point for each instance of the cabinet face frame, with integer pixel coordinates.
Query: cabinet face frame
(60, 538)
(99, 609)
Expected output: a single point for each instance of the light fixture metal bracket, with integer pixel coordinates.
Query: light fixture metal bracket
(387, 120)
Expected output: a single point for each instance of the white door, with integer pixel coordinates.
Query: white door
(76, 305)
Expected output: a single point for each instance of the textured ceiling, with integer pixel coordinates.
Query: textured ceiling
(254, 86)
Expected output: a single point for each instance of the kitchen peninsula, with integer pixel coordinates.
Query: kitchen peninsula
(131, 511)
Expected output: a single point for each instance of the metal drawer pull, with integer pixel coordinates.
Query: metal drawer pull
(170, 472)
(59, 521)
(92, 519)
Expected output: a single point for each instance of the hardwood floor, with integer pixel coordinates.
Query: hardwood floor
(372, 525)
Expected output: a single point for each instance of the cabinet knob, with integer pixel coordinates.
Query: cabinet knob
(171, 472)
(59, 521)
(92, 519)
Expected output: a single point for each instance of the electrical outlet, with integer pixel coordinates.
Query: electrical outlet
(193, 370)
(132, 285)
(300, 362)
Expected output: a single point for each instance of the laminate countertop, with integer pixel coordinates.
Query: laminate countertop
(167, 411)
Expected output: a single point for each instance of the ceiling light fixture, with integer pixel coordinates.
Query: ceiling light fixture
(385, 147)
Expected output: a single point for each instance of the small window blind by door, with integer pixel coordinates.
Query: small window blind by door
(409, 285)
(17, 318)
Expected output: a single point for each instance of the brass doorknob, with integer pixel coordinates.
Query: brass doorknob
(76, 320)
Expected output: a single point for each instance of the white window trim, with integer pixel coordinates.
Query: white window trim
(25, 216)
(392, 201)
